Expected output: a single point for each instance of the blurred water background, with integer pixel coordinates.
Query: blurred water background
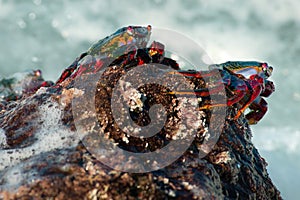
(49, 35)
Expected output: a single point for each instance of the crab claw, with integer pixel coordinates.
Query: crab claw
(258, 109)
(269, 89)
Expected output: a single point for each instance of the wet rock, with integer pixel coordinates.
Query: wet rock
(233, 169)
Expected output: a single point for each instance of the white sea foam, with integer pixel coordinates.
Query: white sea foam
(50, 135)
(2, 139)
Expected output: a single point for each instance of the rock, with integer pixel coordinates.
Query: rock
(33, 168)
(80, 138)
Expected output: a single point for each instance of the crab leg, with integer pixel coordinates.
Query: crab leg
(199, 92)
(67, 72)
(196, 74)
(207, 92)
(258, 108)
(255, 89)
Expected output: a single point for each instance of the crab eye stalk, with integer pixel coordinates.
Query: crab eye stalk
(149, 28)
(37, 73)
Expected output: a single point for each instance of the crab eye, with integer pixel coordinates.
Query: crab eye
(264, 66)
(130, 30)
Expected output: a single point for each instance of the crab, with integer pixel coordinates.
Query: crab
(246, 82)
(22, 84)
(125, 41)
(127, 46)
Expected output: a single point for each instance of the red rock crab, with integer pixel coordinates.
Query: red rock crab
(245, 82)
(22, 83)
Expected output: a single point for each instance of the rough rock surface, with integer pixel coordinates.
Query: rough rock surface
(233, 169)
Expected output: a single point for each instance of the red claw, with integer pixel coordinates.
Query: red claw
(269, 89)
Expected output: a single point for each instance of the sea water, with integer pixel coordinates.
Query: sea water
(49, 35)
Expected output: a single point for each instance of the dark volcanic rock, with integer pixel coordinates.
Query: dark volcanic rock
(233, 169)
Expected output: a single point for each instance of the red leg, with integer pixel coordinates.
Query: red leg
(67, 72)
(239, 86)
(258, 109)
(199, 92)
(197, 74)
(255, 89)
(269, 89)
